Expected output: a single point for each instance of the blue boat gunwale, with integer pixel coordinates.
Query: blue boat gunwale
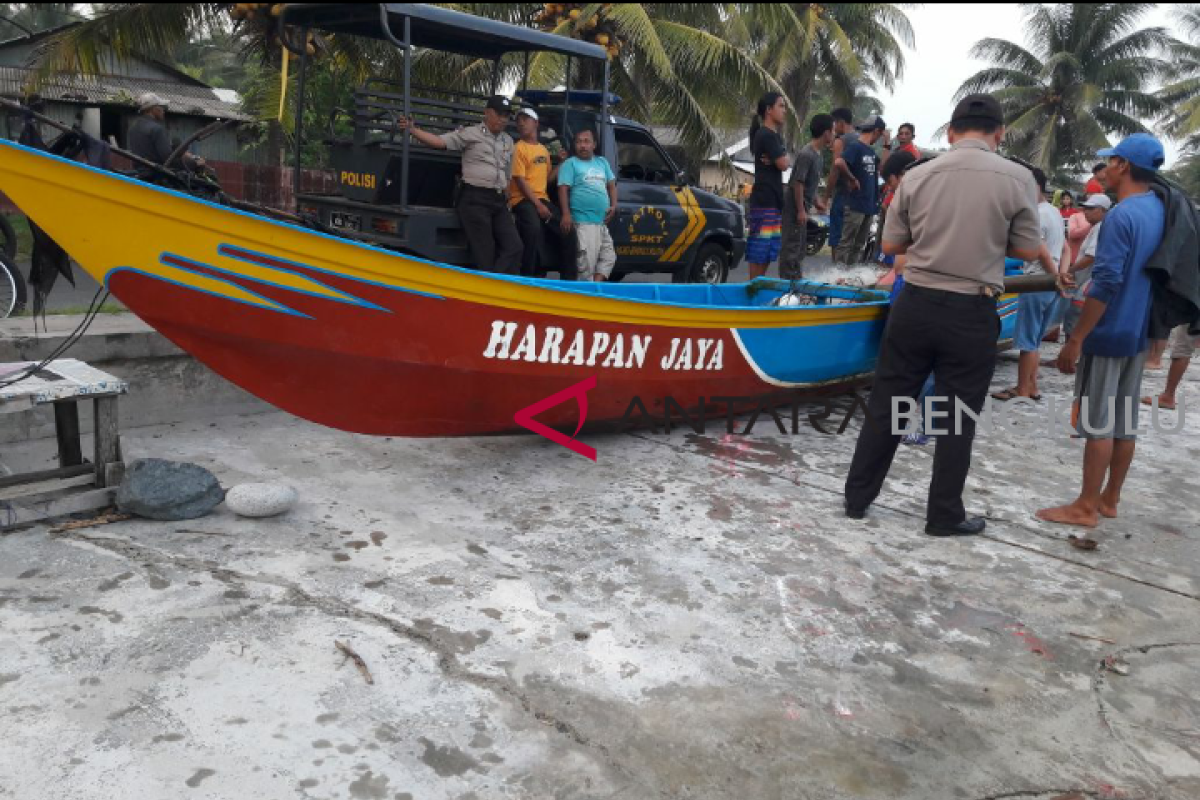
(606, 290)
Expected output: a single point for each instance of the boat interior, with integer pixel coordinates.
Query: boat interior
(760, 293)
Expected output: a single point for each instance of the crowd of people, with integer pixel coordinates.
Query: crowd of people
(953, 225)
(852, 194)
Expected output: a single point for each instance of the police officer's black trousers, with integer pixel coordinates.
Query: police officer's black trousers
(534, 235)
(490, 230)
(954, 336)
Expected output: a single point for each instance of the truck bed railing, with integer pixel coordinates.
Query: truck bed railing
(379, 103)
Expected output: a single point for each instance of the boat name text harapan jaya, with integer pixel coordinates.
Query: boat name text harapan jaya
(551, 345)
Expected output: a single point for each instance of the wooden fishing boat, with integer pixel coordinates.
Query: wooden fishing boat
(371, 341)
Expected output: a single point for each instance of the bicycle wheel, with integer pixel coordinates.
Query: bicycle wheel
(8, 239)
(12, 288)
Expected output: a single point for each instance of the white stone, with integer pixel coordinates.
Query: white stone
(260, 499)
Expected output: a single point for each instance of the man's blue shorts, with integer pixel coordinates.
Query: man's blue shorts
(764, 235)
(1037, 312)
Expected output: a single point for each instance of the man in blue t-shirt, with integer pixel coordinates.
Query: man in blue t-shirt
(587, 192)
(1109, 340)
(861, 203)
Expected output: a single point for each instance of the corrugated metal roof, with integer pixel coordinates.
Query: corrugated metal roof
(121, 90)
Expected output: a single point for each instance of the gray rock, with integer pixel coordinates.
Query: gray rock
(260, 499)
(168, 490)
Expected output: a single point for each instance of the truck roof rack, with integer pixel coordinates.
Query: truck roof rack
(436, 28)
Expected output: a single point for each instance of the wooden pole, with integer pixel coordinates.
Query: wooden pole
(1024, 284)
(107, 437)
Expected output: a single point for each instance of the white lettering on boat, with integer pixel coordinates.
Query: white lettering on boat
(502, 334)
(717, 362)
(554, 337)
(600, 348)
(528, 346)
(600, 341)
(616, 353)
(575, 353)
(638, 350)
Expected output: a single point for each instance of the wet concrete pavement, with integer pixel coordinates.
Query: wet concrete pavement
(689, 617)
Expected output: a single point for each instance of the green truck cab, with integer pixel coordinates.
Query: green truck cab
(395, 193)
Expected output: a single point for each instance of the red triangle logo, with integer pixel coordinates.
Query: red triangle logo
(525, 417)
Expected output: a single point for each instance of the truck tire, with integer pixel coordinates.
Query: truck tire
(711, 265)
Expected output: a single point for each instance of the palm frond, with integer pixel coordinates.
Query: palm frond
(992, 78)
(126, 31)
(1012, 55)
(1120, 124)
(1138, 44)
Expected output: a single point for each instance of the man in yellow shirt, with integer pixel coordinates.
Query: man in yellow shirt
(529, 200)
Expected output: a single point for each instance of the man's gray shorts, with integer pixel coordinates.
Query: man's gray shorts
(794, 247)
(1109, 391)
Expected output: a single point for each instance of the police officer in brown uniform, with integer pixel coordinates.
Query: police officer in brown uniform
(955, 219)
(487, 152)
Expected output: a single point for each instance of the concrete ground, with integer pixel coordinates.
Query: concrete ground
(688, 617)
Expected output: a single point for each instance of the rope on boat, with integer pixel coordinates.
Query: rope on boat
(88, 318)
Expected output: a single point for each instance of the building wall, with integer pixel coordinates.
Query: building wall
(714, 179)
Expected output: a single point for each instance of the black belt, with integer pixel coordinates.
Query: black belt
(947, 297)
(487, 189)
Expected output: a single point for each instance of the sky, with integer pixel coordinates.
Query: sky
(938, 64)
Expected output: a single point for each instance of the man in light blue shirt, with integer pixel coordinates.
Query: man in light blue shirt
(587, 193)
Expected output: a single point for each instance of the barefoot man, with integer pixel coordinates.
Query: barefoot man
(1108, 344)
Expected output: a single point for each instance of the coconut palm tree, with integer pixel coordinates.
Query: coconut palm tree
(1182, 93)
(1083, 77)
(840, 49)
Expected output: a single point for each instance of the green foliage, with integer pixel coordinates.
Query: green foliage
(1182, 92)
(1083, 77)
(1186, 173)
(217, 60)
(328, 86)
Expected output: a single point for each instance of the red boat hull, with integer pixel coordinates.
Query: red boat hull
(419, 367)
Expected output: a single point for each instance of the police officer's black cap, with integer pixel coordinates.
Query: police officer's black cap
(978, 107)
(500, 104)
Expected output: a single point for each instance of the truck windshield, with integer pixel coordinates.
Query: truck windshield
(638, 159)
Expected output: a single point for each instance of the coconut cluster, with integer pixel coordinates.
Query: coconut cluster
(598, 28)
(264, 16)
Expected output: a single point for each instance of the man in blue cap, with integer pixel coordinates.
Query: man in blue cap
(1107, 347)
